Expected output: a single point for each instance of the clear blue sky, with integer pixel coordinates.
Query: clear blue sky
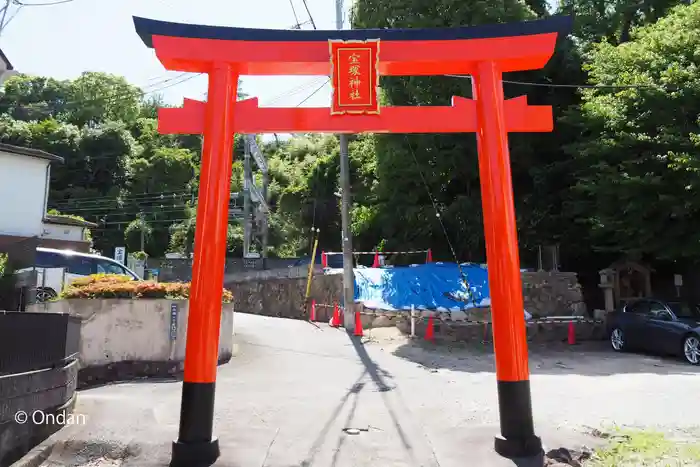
(98, 35)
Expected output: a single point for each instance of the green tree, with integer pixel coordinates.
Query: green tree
(636, 161)
(613, 20)
(401, 209)
(36, 98)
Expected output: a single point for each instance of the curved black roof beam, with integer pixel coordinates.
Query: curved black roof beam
(147, 28)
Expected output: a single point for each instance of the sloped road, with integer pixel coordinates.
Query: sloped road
(293, 389)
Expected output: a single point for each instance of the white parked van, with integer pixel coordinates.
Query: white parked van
(58, 268)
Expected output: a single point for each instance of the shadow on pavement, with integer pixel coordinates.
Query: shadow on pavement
(316, 446)
(588, 359)
(378, 375)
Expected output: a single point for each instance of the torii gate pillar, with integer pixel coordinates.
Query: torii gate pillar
(196, 442)
(505, 280)
(353, 60)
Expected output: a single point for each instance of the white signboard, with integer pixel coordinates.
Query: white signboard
(678, 280)
(120, 254)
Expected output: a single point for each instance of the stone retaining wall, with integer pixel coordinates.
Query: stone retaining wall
(553, 294)
(541, 332)
(545, 294)
(285, 297)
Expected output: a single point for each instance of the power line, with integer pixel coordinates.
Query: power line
(299, 25)
(442, 225)
(106, 213)
(108, 202)
(135, 195)
(4, 19)
(57, 2)
(151, 221)
(301, 87)
(313, 93)
(123, 207)
(294, 12)
(113, 98)
(174, 84)
(308, 12)
(574, 86)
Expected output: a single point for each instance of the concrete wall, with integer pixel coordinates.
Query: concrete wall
(545, 294)
(23, 185)
(71, 233)
(136, 333)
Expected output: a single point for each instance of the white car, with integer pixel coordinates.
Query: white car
(58, 268)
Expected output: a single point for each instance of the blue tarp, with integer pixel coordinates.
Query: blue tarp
(433, 286)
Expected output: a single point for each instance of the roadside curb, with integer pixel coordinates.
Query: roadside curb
(38, 455)
(41, 452)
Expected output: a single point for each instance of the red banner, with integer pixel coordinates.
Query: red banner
(354, 77)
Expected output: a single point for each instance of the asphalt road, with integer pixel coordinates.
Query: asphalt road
(293, 388)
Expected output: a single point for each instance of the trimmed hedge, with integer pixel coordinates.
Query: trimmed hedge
(116, 286)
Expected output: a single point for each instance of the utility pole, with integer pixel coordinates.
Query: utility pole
(348, 277)
(257, 201)
(266, 218)
(143, 231)
(247, 205)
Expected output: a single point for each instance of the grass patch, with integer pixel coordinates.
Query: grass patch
(645, 448)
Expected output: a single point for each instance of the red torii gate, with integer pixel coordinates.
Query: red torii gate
(355, 59)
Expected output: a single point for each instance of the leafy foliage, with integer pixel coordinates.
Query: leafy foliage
(637, 160)
(619, 176)
(115, 286)
(140, 255)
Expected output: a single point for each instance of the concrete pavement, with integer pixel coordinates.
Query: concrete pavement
(291, 396)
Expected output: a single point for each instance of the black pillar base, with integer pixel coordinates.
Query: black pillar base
(513, 448)
(517, 428)
(196, 446)
(199, 454)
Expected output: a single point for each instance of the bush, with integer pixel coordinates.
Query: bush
(140, 255)
(116, 286)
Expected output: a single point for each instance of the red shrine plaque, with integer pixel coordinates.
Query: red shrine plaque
(354, 76)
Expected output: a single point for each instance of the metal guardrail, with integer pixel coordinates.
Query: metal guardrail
(35, 341)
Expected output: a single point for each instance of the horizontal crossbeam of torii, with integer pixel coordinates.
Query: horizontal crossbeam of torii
(355, 59)
(458, 118)
(515, 47)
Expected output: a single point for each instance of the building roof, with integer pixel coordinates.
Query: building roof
(63, 220)
(8, 65)
(20, 151)
(148, 28)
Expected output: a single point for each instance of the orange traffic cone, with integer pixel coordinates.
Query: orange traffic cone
(335, 320)
(429, 258)
(375, 264)
(572, 333)
(312, 313)
(358, 324)
(430, 330)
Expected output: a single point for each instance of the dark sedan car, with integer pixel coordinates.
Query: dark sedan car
(667, 328)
